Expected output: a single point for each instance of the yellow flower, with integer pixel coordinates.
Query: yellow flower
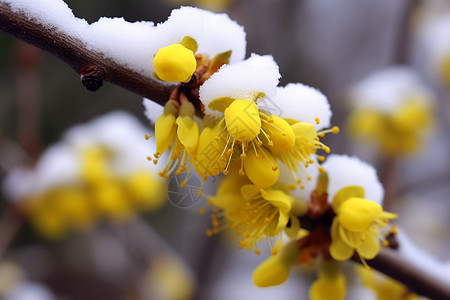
(275, 270)
(253, 212)
(303, 152)
(57, 210)
(398, 132)
(330, 284)
(176, 129)
(385, 287)
(357, 225)
(242, 134)
(145, 191)
(208, 159)
(174, 63)
(97, 193)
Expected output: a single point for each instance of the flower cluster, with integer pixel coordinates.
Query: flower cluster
(90, 175)
(393, 109)
(350, 196)
(232, 118)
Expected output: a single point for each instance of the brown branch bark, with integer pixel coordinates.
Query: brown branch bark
(74, 53)
(389, 262)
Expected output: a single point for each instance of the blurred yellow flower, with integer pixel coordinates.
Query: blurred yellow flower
(385, 287)
(398, 132)
(96, 194)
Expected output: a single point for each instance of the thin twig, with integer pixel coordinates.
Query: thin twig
(78, 57)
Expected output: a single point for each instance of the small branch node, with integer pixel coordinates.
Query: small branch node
(92, 77)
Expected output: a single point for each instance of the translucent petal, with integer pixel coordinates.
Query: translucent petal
(249, 191)
(278, 198)
(369, 248)
(339, 250)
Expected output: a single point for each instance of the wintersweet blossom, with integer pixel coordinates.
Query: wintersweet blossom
(252, 135)
(360, 219)
(307, 112)
(393, 109)
(94, 172)
(191, 37)
(251, 211)
(190, 55)
(176, 63)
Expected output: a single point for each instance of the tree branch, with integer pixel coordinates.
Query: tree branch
(391, 263)
(79, 58)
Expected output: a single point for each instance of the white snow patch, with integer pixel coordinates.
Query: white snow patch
(134, 44)
(346, 171)
(387, 89)
(119, 132)
(243, 80)
(303, 103)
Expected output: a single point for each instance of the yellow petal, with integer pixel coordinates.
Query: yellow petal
(249, 191)
(262, 171)
(345, 194)
(294, 228)
(353, 239)
(325, 288)
(305, 133)
(190, 43)
(271, 272)
(281, 135)
(227, 201)
(188, 133)
(207, 158)
(165, 129)
(220, 104)
(358, 214)
(366, 123)
(339, 250)
(278, 198)
(369, 248)
(242, 120)
(146, 191)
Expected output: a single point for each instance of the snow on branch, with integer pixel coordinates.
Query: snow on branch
(94, 61)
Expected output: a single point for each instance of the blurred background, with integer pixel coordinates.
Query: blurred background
(326, 44)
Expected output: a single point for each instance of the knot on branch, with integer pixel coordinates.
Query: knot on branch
(92, 77)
